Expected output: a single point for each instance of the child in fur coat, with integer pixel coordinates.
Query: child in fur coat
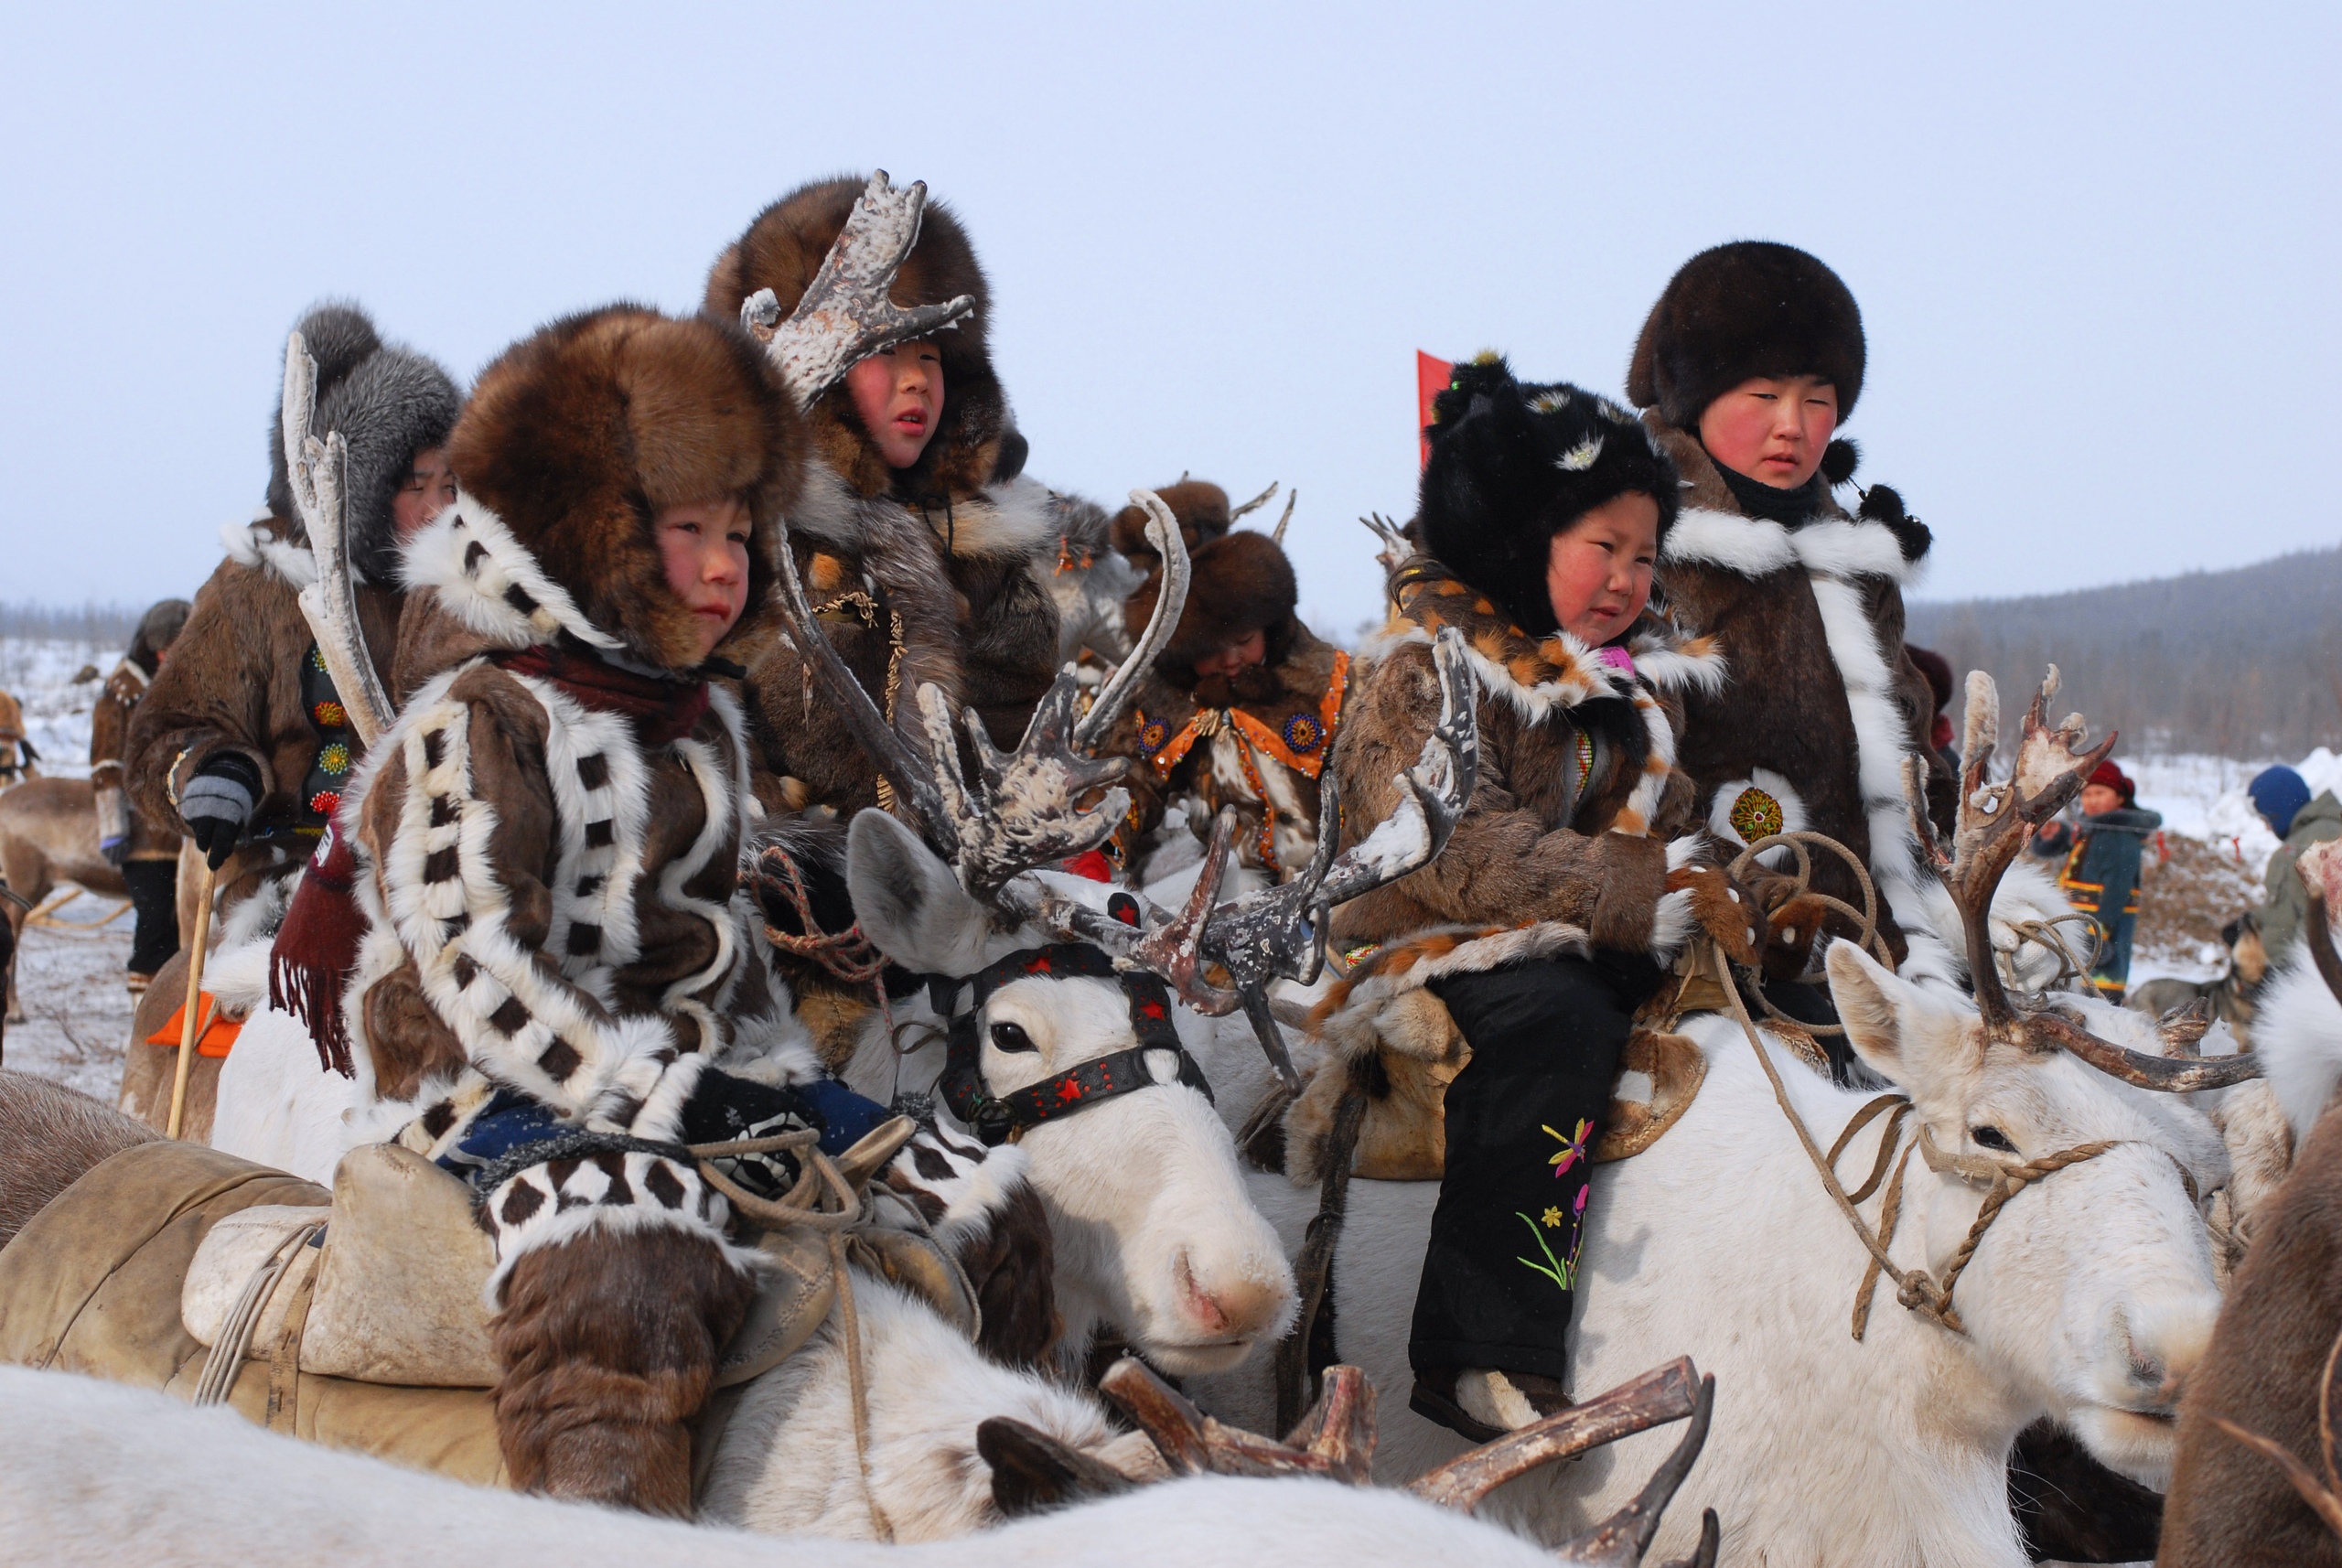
(1547, 920)
(554, 958)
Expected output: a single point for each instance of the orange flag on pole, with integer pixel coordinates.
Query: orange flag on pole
(1432, 377)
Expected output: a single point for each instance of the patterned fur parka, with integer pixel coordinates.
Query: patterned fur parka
(1565, 840)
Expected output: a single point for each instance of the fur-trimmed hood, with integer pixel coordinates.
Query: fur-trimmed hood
(387, 402)
(1746, 309)
(1512, 465)
(974, 441)
(574, 439)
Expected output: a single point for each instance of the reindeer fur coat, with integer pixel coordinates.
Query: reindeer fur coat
(1565, 842)
(1822, 702)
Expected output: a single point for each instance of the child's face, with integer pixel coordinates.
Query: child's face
(704, 548)
(1250, 649)
(1597, 571)
(899, 393)
(2097, 797)
(1772, 430)
(428, 490)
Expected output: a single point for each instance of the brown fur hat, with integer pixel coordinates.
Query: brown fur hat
(974, 441)
(1199, 507)
(1241, 583)
(1748, 308)
(577, 436)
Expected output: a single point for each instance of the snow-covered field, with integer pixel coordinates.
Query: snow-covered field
(68, 976)
(78, 1021)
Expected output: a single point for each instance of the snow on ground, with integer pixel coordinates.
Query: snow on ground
(38, 672)
(77, 1009)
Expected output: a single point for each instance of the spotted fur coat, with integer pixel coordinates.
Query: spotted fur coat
(1565, 840)
(549, 900)
(1822, 702)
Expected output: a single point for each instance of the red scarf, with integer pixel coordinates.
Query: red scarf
(660, 708)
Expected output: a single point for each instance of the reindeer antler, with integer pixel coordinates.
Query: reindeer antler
(1995, 822)
(1395, 547)
(2320, 867)
(846, 315)
(1236, 514)
(1163, 532)
(318, 472)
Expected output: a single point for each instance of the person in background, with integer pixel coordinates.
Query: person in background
(16, 754)
(2283, 801)
(2102, 870)
(1943, 732)
(146, 848)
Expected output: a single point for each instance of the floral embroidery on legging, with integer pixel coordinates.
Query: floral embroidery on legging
(1562, 1268)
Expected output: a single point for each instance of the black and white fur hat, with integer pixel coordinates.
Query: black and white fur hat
(388, 403)
(1512, 465)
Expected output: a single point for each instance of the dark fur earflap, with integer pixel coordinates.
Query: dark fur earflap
(1240, 583)
(387, 402)
(974, 442)
(1512, 465)
(1748, 308)
(1199, 507)
(1839, 461)
(1883, 504)
(579, 435)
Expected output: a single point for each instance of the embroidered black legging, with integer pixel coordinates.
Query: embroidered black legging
(1501, 1273)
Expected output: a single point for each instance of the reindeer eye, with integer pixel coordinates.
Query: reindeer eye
(1012, 1037)
(1992, 1138)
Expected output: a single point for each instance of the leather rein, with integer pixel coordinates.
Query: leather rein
(1003, 1118)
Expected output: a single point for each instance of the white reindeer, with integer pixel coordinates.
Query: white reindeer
(92, 1472)
(2087, 1299)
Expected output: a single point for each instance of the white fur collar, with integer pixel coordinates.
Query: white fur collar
(490, 581)
(1754, 546)
(255, 544)
(1010, 518)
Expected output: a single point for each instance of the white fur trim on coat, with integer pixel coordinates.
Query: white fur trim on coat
(490, 581)
(253, 545)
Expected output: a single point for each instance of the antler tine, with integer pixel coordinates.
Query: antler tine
(1163, 532)
(1658, 1396)
(1174, 949)
(1023, 814)
(1339, 1428)
(1395, 547)
(1711, 1538)
(1620, 1540)
(2167, 1075)
(2184, 1027)
(913, 782)
(1291, 499)
(1193, 1443)
(845, 314)
(318, 472)
(1256, 504)
(2320, 868)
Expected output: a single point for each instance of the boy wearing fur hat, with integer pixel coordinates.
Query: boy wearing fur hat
(546, 844)
(1545, 922)
(146, 850)
(1241, 706)
(241, 741)
(1749, 362)
(925, 552)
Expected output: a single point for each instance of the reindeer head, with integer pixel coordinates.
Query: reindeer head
(2094, 1281)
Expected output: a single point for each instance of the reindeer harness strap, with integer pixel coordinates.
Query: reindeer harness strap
(995, 1119)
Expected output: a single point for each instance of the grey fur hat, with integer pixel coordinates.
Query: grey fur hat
(389, 403)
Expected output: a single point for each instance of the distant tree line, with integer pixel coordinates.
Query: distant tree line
(105, 626)
(2245, 663)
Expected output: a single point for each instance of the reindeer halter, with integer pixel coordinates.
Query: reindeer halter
(996, 1119)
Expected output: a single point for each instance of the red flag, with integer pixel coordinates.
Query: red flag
(1432, 377)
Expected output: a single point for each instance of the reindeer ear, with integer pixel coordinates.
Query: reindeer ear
(908, 902)
(1869, 1004)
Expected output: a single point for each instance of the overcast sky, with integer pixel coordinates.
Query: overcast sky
(2095, 247)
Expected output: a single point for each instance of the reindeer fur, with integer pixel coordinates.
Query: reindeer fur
(53, 1135)
(97, 1473)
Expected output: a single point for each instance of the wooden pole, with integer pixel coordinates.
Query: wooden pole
(192, 1023)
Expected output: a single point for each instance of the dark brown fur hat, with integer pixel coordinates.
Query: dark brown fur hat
(782, 250)
(579, 436)
(1748, 308)
(1199, 507)
(1240, 583)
